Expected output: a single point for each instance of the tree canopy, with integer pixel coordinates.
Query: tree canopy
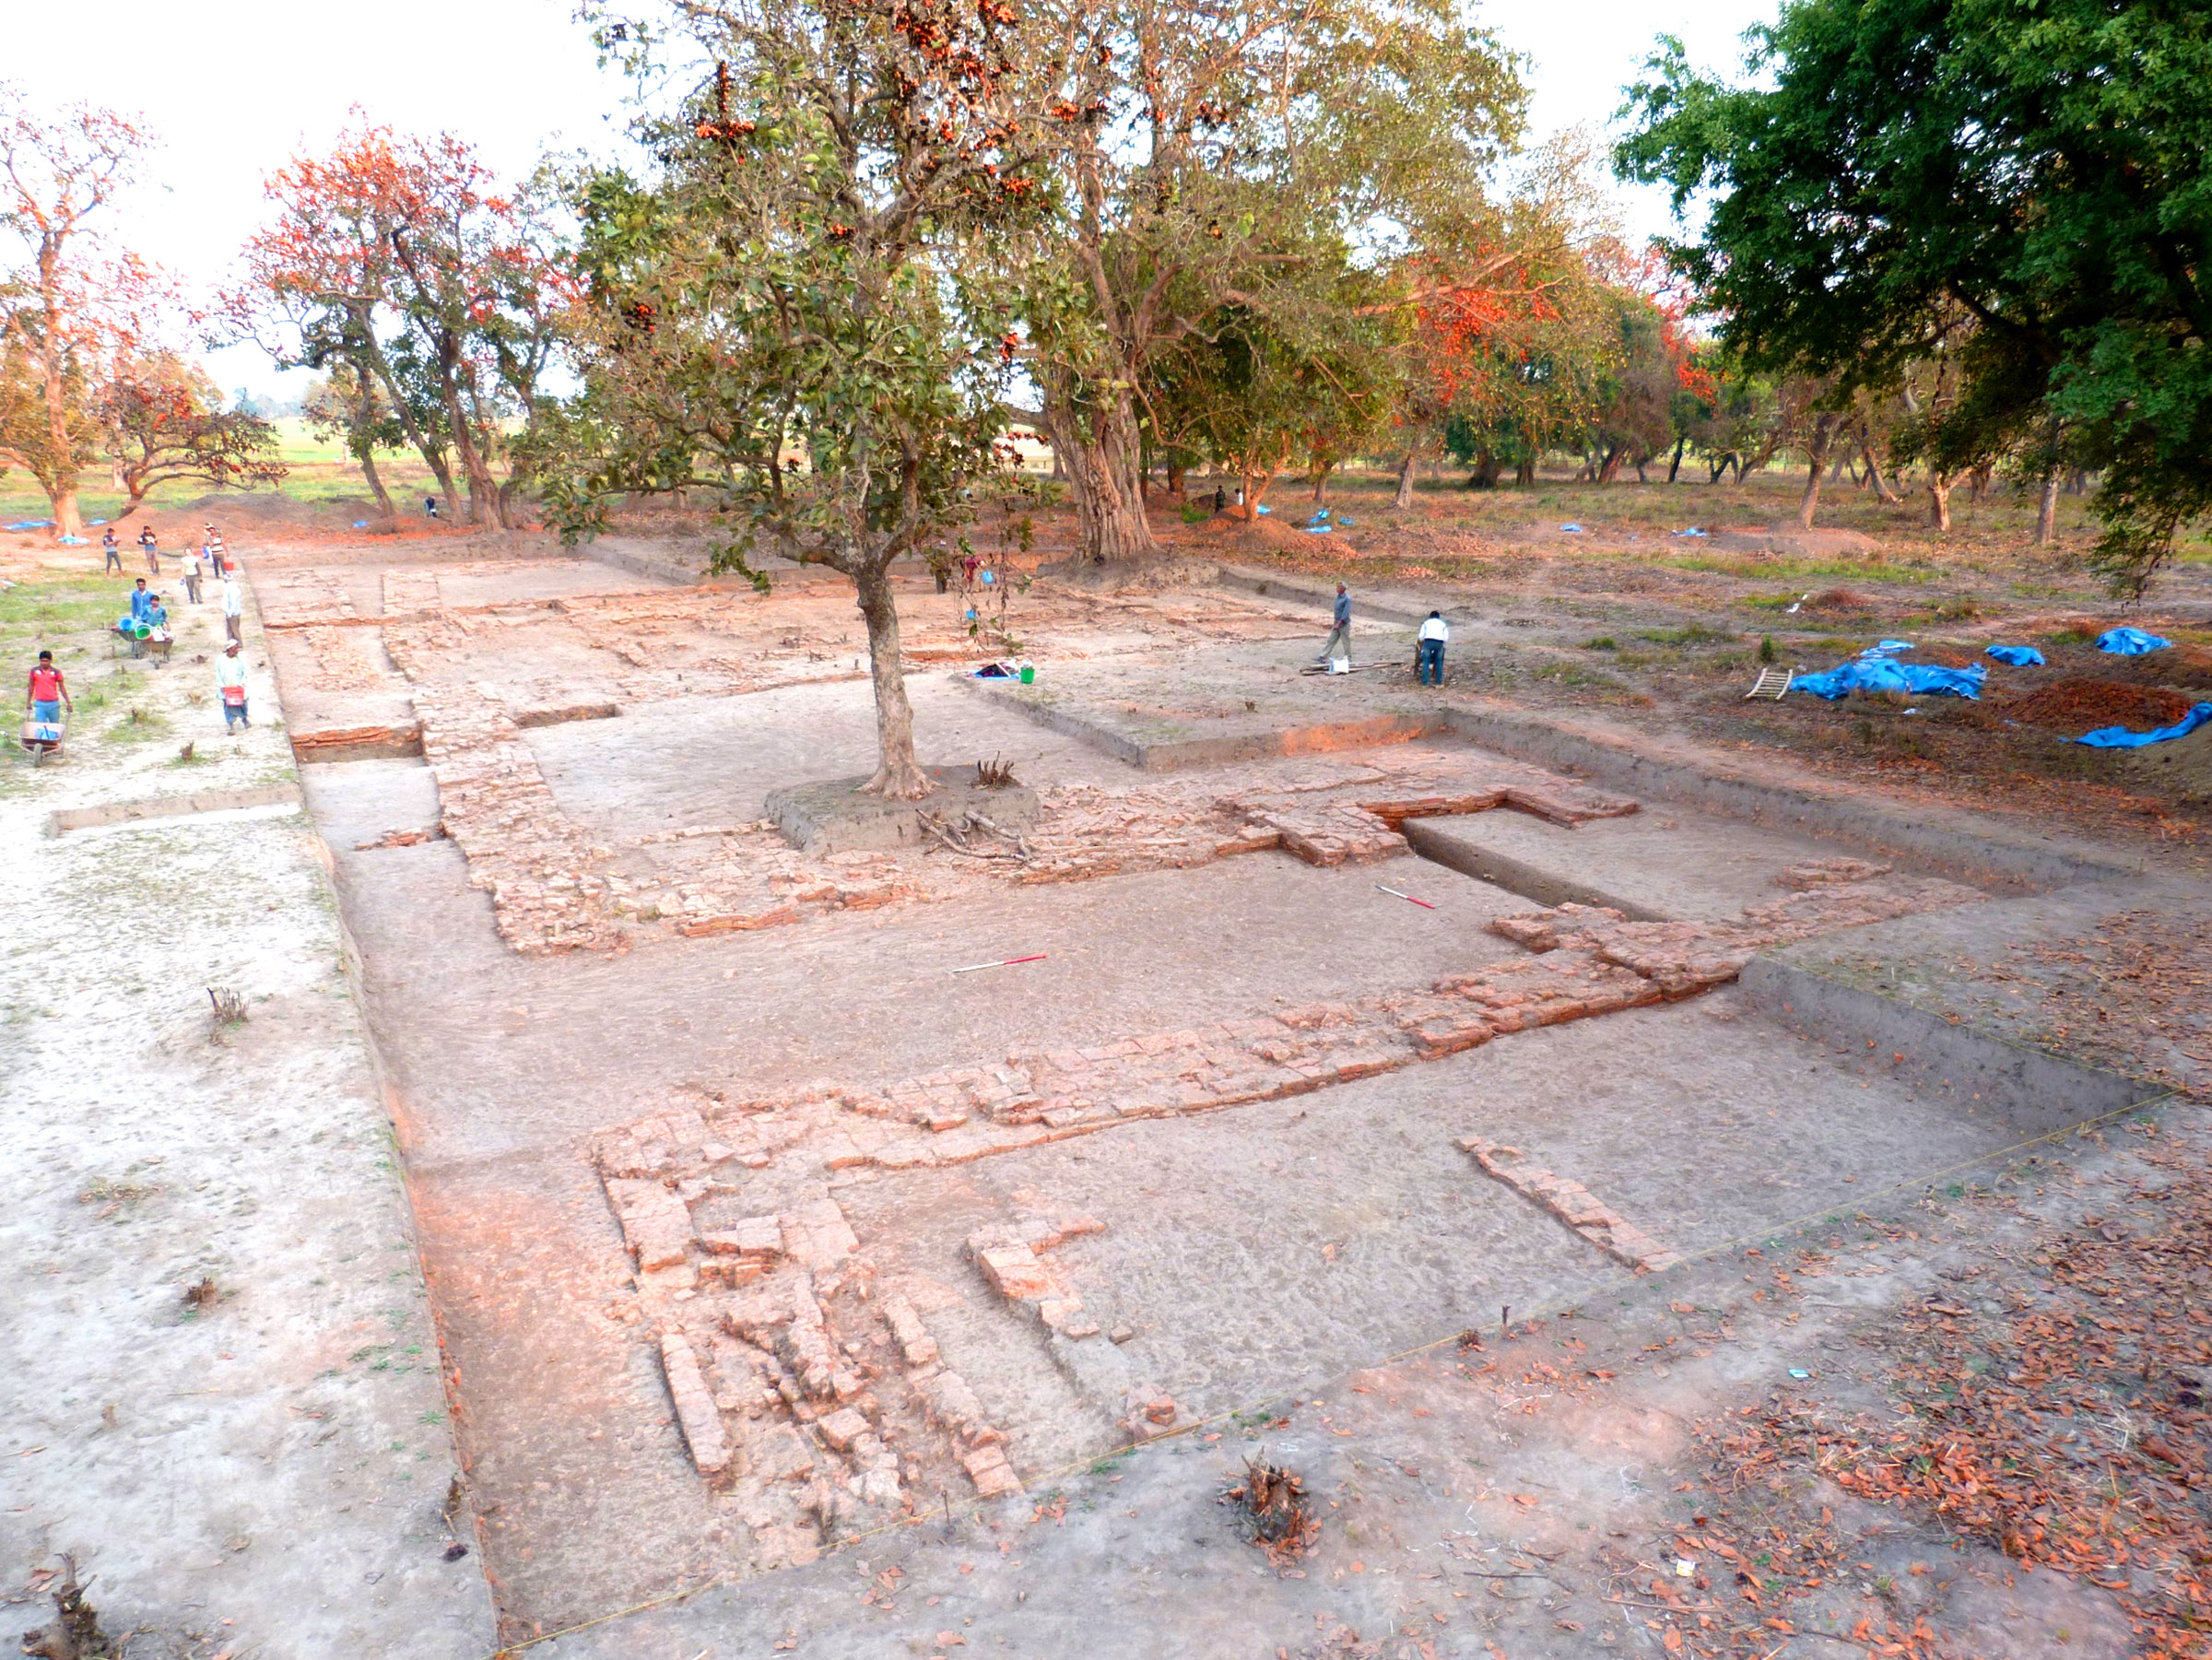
(795, 314)
(2023, 184)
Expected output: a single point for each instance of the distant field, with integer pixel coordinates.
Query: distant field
(319, 472)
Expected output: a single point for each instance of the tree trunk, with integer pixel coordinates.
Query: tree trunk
(1674, 465)
(68, 518)
(1608, 467)
(1403, 498)
(2046, 513)
(1817, 463)
(1101, 468)
(1321, 487)
(897, 774)
(376, 483)
(1526, 473)
(483, 494)
(1175, 488)
(1882, 492)
(1939, 500)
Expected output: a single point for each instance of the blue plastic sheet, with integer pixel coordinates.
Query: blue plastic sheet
(2019, 656)
(2120, 737)
(2130, 643)
(1315, 530)
(1572, 530)
(29, 525)
(1868, 674)
(1887, 648)
(1876, 673)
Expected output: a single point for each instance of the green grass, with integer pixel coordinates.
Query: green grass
(57, 614)
(1695, 634)
(1861, 570)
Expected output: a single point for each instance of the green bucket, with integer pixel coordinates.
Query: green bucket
(1028, 674)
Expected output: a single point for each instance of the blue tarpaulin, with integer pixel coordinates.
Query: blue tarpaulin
(29, 525)
(1887, 648)
(2130, 643)
(1876, 672)
(1572, 530)
(2120, 737)
(2019, 656)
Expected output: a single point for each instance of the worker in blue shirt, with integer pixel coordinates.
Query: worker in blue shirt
(1341, 635)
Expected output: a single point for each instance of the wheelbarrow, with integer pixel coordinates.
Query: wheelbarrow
(42, 738)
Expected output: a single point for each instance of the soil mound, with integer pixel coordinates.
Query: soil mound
(2078, 704)
(1835, 601)
(2181, 770)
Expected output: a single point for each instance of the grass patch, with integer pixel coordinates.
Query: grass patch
(1695, 634)
(1603, 642)
(54, 615)
(1878, 570)
(136, 725)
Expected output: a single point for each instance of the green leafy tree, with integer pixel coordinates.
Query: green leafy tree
(1200, 153)
(789, 319)
(349, 407)
(2043, 167)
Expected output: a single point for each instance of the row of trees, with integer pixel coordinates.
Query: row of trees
(89, 365)
(1980, 228)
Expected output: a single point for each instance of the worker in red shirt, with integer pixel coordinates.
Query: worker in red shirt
(48, 693)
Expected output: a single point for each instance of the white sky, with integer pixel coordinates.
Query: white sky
(234, 88)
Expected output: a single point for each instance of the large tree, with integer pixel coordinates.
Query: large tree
(162, 419)
(400, 262)
(70, 305)
(2042, 167)
(1201, 150)
(793, 317)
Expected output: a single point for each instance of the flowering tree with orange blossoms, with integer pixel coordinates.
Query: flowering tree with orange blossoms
(398, 259)
(1469, 339)
(162, 419)
(70, 306)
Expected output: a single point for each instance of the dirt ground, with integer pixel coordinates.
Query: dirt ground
(222, 1395)
(1646, 1161)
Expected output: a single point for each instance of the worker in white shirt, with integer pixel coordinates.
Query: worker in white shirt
(230, 681)
(1429, 667)
(234, 606)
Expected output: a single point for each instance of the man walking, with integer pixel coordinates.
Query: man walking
(230, 681)
(114, 552)
(234, 606)
(151, 548)
(1341, 635)
(1429, 667)
(192, 577)
(47, 693)
(141, 602)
